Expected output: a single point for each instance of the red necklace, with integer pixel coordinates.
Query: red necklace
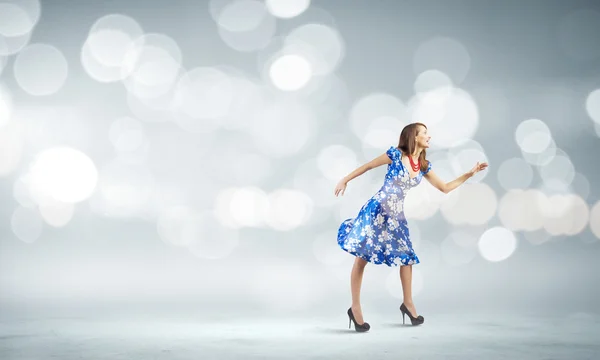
(413, 165)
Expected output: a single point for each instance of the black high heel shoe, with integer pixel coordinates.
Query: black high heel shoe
(358, 327)
(413, 320)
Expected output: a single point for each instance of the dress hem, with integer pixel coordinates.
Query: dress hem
(389, 261)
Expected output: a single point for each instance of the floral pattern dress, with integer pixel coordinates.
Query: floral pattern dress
(379, 233)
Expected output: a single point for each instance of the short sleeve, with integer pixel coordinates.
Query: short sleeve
(392, 153)
(428, 167)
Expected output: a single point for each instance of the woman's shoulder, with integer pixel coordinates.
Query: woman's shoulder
(393, 152)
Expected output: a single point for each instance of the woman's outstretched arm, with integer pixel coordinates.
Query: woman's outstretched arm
(447, 187)
(378, 161)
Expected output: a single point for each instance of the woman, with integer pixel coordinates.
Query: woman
(379, 234)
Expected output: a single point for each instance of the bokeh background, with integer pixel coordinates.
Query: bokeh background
(181, 156)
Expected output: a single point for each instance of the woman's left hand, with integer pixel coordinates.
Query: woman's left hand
(478, 167)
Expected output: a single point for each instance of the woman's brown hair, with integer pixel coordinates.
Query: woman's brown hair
(408, 143)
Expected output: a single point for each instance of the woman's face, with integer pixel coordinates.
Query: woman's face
(423, 137)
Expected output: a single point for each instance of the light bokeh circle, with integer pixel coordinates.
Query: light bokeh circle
(497, 244)
(41, 69)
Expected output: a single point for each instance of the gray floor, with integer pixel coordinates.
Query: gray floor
(441, 337)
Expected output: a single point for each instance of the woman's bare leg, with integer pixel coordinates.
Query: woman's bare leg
(356, 276)
(406, 280)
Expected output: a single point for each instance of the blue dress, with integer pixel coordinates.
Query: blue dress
(379, 233)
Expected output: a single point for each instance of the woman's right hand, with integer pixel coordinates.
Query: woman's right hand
(340, 188)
